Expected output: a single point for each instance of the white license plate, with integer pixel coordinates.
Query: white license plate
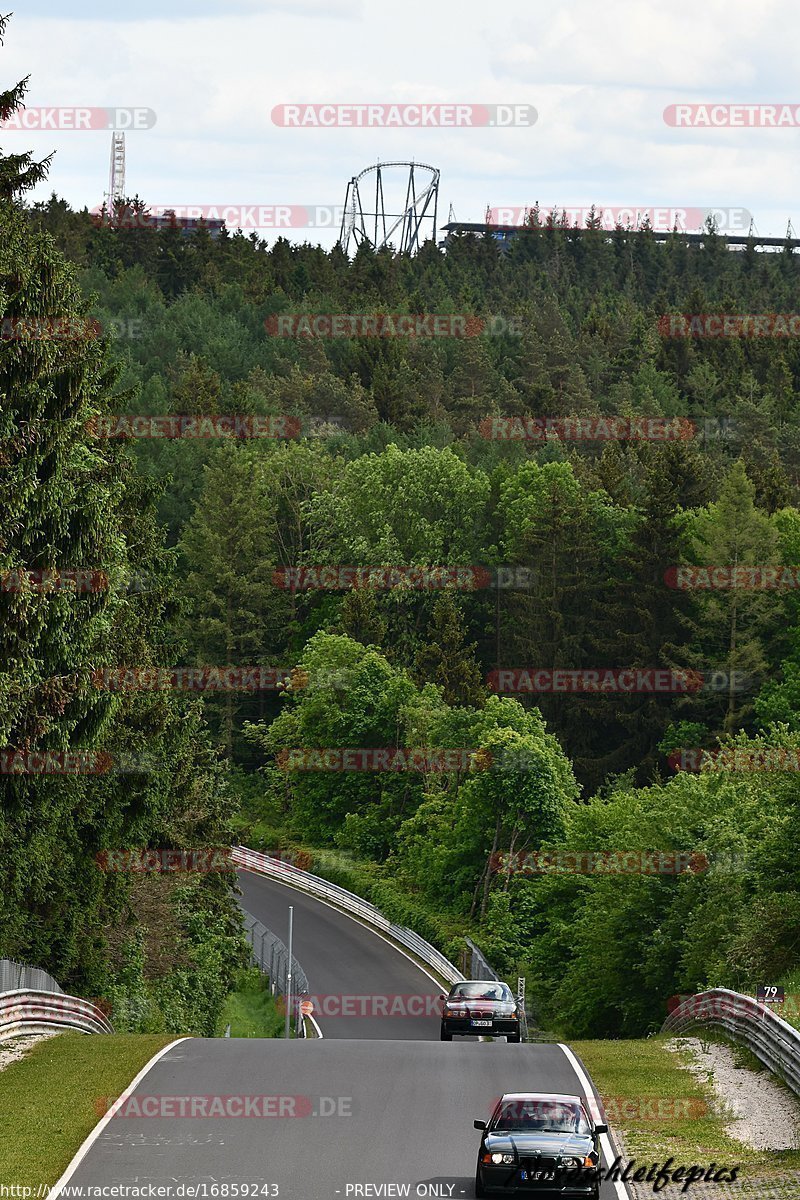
(544, 1175)
(483, 1023)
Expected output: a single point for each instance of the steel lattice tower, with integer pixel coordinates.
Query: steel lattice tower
(116, 174)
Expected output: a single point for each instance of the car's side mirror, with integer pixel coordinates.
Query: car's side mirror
(479, 1124)
(601, 1129)
(443, 997)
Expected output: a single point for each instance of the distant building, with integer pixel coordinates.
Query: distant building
(188, 225)
(168, 220)
(506, 234)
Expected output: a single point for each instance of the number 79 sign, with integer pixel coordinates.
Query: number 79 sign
(771, 994)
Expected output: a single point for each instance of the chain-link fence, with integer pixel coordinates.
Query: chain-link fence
(272, 956)
(16, 976)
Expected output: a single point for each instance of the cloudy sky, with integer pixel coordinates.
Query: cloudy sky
(599, 75)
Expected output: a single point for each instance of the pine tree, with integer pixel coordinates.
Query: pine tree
(447, 658)
(18, 172)
(733, 627)
(643, 623)
(247, 524)
(69, 502)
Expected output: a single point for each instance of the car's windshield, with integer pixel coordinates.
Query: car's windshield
(481, 991)
(546, 1116)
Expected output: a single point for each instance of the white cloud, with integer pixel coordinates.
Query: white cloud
(600, 77)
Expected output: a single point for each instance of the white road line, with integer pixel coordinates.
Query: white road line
(605, 1140)
(362, 924)
(100, 1126)
(282, 883)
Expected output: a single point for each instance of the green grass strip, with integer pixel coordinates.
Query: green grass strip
(51, 1099)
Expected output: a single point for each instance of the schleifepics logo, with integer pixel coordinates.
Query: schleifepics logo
(658, 1175)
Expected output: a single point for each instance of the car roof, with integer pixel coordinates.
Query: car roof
(461, 982)
(543, 1096)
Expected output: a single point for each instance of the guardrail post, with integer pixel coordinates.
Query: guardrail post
(289, 971)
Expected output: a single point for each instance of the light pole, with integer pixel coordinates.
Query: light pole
(289, 974)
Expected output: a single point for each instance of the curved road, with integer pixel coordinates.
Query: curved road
(380, 1107)
(355, 974)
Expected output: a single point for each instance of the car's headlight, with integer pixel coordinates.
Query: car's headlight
(571, 1164)
(503, 1158)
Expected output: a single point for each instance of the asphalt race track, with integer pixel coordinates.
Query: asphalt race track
(343, 959)
(379, 1101)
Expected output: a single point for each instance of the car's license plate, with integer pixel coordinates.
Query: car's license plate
(484, 1023)
(546, 1176)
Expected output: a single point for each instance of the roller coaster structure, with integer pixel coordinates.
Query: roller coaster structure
(405, 230)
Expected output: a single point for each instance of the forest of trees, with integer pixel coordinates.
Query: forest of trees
(393, 466)
(162, 951)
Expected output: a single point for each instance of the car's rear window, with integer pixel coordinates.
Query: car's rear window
(481, 991)
(553, 1116)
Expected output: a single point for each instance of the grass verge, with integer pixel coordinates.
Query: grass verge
(661, 1110)
(51, 1099)
(251, 1010)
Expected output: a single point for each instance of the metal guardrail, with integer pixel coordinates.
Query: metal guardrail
(479, 965)
(774, 1042)
(30, 1011)
(481, 968)
(252, 860)
(14, 976)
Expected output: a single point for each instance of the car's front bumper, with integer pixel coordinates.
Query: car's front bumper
(498, 1027)
(504, 1180)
